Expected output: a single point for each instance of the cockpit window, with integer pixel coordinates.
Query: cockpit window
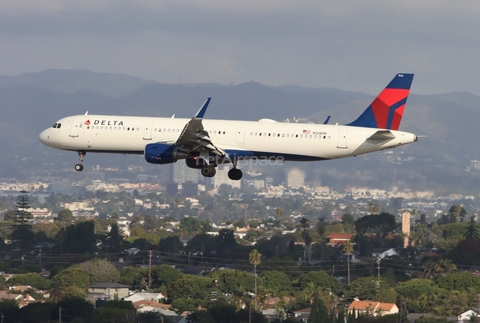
(57, 125)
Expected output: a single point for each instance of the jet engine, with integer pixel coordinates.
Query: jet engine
(163, 153)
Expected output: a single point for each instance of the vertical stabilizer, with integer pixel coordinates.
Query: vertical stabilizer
(386, 111)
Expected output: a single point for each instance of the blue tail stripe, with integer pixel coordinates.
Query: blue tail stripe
(401, 81)
(391, 111)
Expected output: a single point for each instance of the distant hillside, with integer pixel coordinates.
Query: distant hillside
(32, 102)
(71, 81)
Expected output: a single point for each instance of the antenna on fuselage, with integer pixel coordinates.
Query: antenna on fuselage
(173, 116)
(86, 113)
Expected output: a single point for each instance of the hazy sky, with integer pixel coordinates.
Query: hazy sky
(356, 45)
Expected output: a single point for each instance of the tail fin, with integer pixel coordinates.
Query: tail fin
(386, 111)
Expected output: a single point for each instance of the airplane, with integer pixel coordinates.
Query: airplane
(204, 144)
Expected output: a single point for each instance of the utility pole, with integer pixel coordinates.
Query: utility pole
(149, 269)
(59, 315)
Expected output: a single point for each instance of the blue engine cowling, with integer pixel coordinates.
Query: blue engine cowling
(163, 153)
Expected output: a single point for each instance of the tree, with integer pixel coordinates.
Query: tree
(75, 307)
(65, 215)
(255, 258)
(319, 312)
(22, 235)
(101, 269)
(376, 226)
(457, 213)
(36, 313)
(30, 279)
(348, 250)
(472, 230)
(171, 244)
(320, 278)
(71, 277)
(200, 317)
(467, 252)
(115, 238)
(190, 225)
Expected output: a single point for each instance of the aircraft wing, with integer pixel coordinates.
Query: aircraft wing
(194, 135)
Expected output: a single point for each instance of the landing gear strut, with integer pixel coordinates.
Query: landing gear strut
(79, 167)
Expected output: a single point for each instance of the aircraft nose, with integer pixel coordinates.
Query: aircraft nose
(45, 137)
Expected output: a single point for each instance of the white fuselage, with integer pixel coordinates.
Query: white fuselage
(291, 141)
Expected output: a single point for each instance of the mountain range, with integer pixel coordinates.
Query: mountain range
(446, 123)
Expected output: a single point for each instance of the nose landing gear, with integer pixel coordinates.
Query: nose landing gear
(79, 167)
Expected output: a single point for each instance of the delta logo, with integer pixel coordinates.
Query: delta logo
(87, 123)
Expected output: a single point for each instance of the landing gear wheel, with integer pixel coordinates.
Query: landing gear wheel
(209, 171)
(79, 167)
(235, 174)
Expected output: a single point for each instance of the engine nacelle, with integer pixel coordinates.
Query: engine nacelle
(163, 154)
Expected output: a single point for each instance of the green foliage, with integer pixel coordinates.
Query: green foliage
(134, 277)
(200, 317)
(78, 238)
(233, 281)
(189, 287)
(319, 313)
(10, 310)
(112, 314)
(243, 315)
(462, 281)
(171, 244)
(223, 313)
(150, 317)
(320, 279)
(368, 288)
(36, 313)
(424, 319)
(467, 252)
(30, 279)
(274, 282)
(282, 264)
(190, 225)
(184, 304)
(202, 242)
(164, 275)
(419, 295)
(101, 269)
(66, 216)
(376, 226)
(71, 282)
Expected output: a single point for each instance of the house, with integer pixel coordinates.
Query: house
(467, 316)
(107, 291)
(380, 253)
(302, 315)
(373, 308)
(338, 238)
(137, 297)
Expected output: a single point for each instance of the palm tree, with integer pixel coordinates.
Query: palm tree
(348, 250)
(255, 258)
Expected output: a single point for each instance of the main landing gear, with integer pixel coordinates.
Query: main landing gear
(79, 167)
(209, 171)
(235, 174)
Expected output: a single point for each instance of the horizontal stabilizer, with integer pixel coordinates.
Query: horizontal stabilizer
(382, 135)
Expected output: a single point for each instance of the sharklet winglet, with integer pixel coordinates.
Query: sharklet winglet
(201, 112)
